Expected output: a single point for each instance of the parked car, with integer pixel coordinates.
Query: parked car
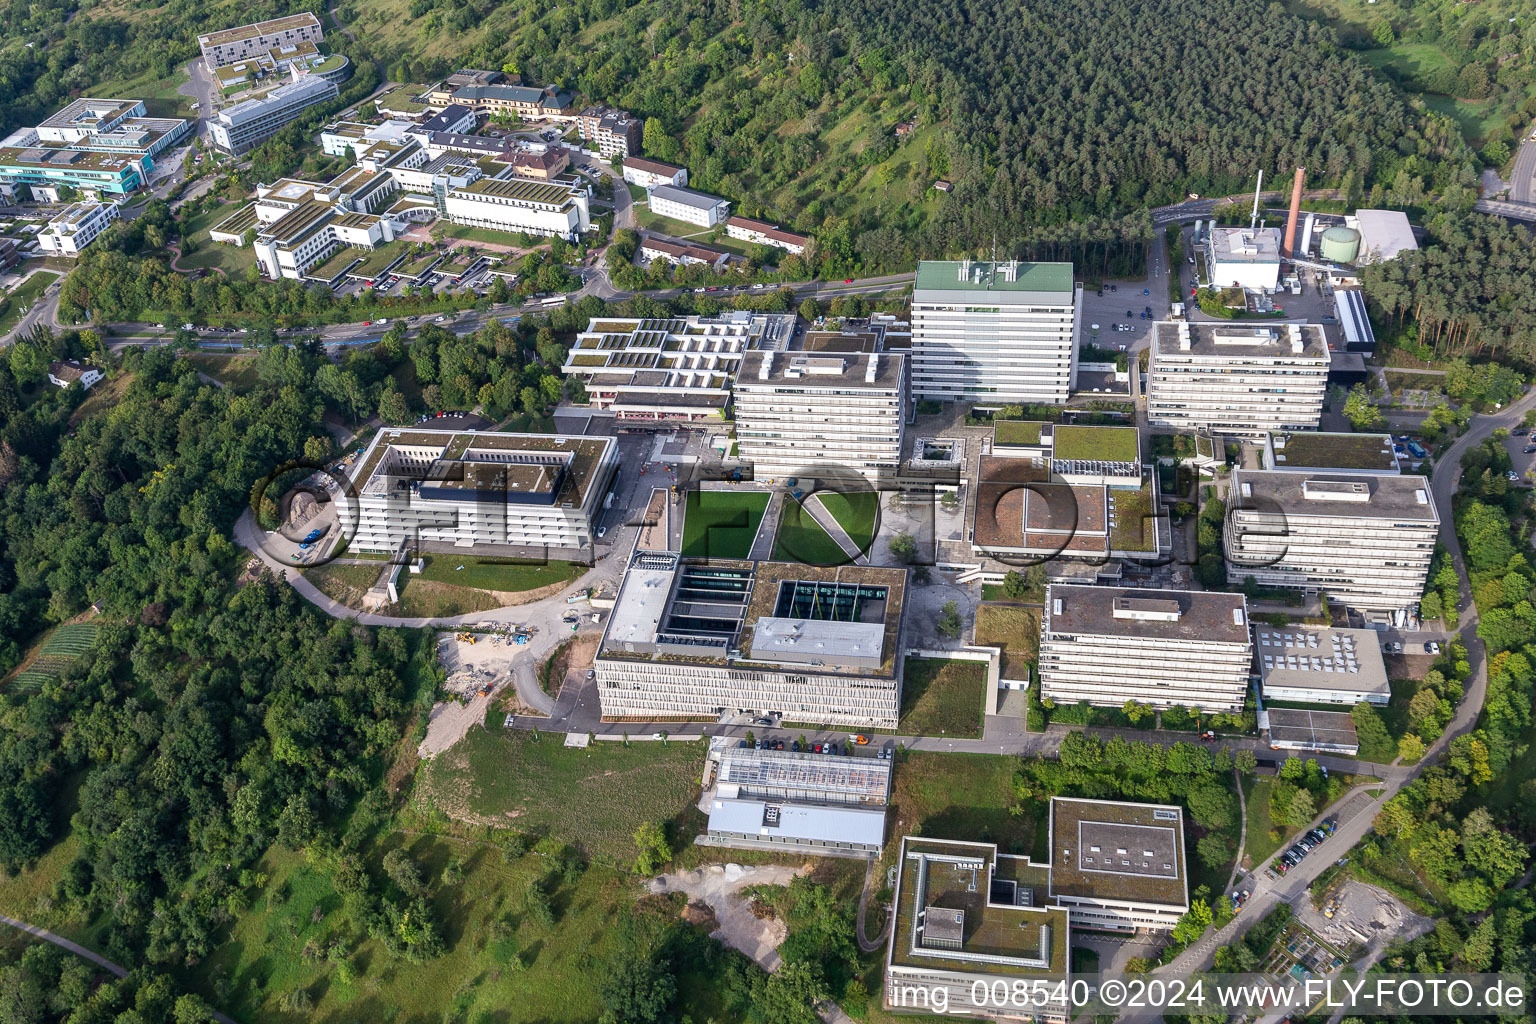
(1431, 647)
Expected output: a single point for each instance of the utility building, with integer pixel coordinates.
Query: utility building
(1161, 648)
(995, 333)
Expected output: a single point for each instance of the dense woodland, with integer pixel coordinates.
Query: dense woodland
(1059, 113)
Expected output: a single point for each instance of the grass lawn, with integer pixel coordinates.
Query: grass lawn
(23, 295)
(1016, 629)
(400, 98)
(1017, 431)
(942, 697)
(497, 574)
(431, 599)
(594, 798)
(855, 513)
(344, 583)
(963, 796)
(722, 524)
(236, 371)
(1257, 845)
(376, 262)
(447, 232)
(667, 226)
(801, 539)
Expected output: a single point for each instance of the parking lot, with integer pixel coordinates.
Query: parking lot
(1521, 446)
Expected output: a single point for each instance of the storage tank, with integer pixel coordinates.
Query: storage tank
(1341, 244)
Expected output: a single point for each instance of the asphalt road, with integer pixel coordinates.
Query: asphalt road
(1520, 181)
(1356, 814)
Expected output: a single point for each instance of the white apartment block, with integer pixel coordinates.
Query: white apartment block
(647, 173)
(488, 491)
(692, 639)
(1236, 379)
(556, 209)
(233, 45)
(822, 413)
(995, 333)
(1161, 648)
(1364, 540)
(763, 233)
(679, 368)
(688, 205)
(78, 226)
(241, 128)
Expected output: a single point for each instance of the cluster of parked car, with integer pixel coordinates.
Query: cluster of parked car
(823, 747)
(1239, 900)
(1305, 845)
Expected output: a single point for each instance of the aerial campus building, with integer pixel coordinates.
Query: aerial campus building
(675, 369)
(496, 493)
(100, 146)
(1247, 258)
(968, 917)
(241, 128)
(796, 801)
(835, 404)
(1160, 648)
(1236, 379)
(1364, 539)
(696, 638)
(1321, 665)
(687, 205)
(995, 333)
(233, 45)
(76, 227)
(1049, 490)
(647, 173)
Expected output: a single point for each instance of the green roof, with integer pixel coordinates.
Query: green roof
(1016, 431)
(1095, 444)
(984, 277)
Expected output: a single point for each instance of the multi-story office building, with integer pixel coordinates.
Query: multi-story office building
(995, 333)
(1305, 451)
(1247, 258)
(688, 205)
(77, 227)
(681, 253)
(96, 145)
(1118, 866)
(646, 173)
(233, 45)
(1364, 540)
(1237, 379)
(675, 369)
(525, 102)
(492, 492)
(556, 209)
(972, 923)
(241, 128)
(763, 233)
(814, 644)
(822, 413)
(1161, 648)
(1321, 665)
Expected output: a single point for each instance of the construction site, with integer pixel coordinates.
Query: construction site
(478, 662)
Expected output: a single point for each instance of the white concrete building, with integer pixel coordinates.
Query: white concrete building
(995, 333)
(1384, 234)
(822, 413)
(1118, 866)
(647, 173)
(763, 233)
(1237, 379)
(675, 369)
(241, 128)
(76, 227)
(1321, 665)
(341, 138)
(233, 45)
(1247, 258)
(492, 492)
(816, 644)
(1160, 648)
(556, 209)
(688, 205)
(1364, 540)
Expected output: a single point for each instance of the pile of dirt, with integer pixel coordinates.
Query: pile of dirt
(698, 915)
